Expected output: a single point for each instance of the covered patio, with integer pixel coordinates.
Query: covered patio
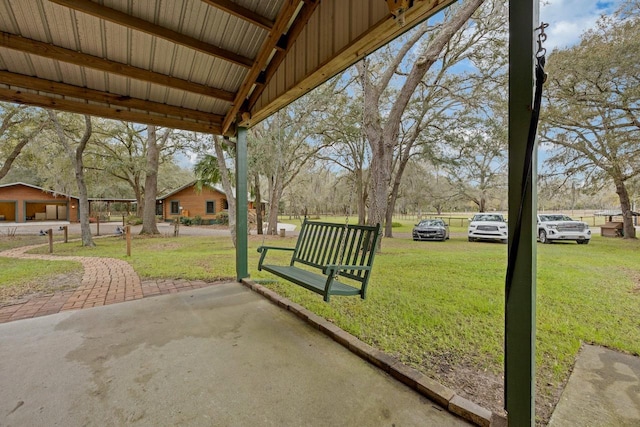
(222, 355)
(221, 66)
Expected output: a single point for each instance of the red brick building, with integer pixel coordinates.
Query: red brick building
(20, 202)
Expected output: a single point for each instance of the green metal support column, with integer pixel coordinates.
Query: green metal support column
(520, 309)
(242, 206)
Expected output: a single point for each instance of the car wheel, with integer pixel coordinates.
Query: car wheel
(415, 240)
(543, 237)
(505, 241)
(471, 239)
(582, 242)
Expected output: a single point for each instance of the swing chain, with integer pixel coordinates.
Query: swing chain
(542, 37)
(540, 53)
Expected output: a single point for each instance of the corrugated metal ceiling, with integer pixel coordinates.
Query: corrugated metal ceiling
(198, 64)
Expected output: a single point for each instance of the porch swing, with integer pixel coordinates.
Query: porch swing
(336, 250)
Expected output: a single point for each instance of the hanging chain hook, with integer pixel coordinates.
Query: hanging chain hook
(542, 37)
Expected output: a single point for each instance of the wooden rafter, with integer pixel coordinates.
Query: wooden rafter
(121, 18)
(96, 96)
(242, 13)
(289, 8)
(11, 95)
(283, 46)
(83, 60)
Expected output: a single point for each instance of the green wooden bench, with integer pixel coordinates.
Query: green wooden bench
(339, 252)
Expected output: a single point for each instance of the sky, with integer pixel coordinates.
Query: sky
(569, 18)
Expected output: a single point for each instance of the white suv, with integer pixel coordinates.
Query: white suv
(488, 226)
(560, 227)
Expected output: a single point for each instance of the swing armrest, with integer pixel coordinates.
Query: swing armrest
(264, 249)
(332, 268)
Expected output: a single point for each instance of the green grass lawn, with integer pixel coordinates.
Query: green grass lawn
(14, 272)
(19, 277)
(439, 306)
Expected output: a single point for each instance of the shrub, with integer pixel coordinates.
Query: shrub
(134, 220)
(223, 218)
(197, 220)
(186, 221)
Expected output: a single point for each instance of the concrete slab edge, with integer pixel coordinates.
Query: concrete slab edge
(409, 376)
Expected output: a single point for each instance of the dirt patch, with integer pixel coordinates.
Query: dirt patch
(487, 389)
(482, 387)
(166, 245)
(635, 276)
(23, 292)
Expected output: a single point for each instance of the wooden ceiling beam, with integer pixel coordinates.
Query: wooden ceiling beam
(121, 18)
(57, 53)
(20, 97)
(64, 89)
(242, 13)
(285, 43)
(289, 8)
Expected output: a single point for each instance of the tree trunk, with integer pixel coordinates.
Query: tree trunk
(393, 197)
(87, 239)
(228, 189)
(391, 206)
(625, 207)
(76, 160)
(149, 225)
(362, 197)
(140, 200)
(258, 203)
(379, 184)
(275, 194)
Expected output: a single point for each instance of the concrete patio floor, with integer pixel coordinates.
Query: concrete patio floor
(218, 356)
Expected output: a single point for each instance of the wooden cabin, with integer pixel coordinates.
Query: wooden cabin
(187, 201)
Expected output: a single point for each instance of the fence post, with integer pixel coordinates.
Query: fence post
(65, 229)
(128, 236)
(98, 224)
(50, 236)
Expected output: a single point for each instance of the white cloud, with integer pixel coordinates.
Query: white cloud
(568, 19)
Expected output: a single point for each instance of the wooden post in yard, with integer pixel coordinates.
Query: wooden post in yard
(128, 234)
(98, 224)
(50, 236)
(65, 229)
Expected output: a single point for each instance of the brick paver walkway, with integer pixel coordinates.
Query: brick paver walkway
(105, 281)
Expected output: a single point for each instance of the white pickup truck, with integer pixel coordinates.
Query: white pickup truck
(560, 227)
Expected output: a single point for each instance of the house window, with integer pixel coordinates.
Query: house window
(211, 207)
(175, 207)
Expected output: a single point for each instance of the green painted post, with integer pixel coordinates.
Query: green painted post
(520, 312)
(242, 206)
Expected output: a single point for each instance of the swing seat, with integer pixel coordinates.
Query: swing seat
(320, 246)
